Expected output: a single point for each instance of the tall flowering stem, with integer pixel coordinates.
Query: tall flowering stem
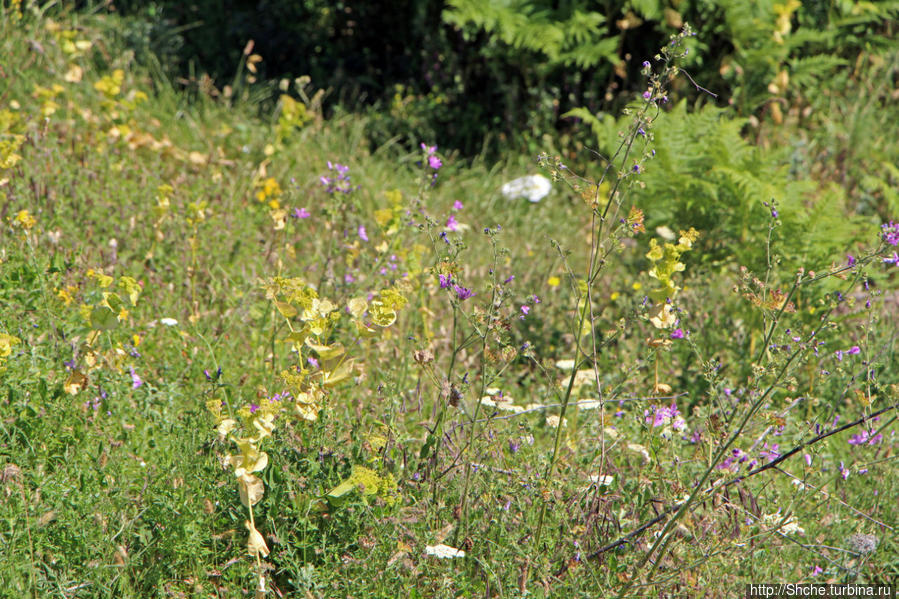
(323, 364)
(606, 231)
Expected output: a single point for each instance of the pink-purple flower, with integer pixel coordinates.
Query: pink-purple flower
(890, 233)
(662, 415)
(337, 181)
(135, 380)
(463, 293)
(866, 437)
(433, 161)
(770, 452)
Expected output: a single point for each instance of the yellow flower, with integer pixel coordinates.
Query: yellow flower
(24, 219)
(553, 281)
(6, 343)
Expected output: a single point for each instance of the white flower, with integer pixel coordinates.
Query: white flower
(442, 551)
(610, 432)
(532, 187)
(169, 322)
(552, 421)
(565, 364)
(602, 480)
(789, 526)
(639, 449)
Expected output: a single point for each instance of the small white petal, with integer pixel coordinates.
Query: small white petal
(169, 322)
(442, 551)
(603, 480)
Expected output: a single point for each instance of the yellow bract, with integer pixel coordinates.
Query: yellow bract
(6, 344)
(111, 85)
(255, 543)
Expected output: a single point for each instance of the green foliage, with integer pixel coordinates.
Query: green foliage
(442, 392)
(705, 174)
(569, 36)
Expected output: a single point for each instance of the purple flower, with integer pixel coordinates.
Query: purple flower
(774, 213)
(514, 446)
(663, 415)
(340, 182)
(362, 234)
(844, 472)
(894, 259)
(428, 149)
(300, 213)
(891, 233)
(457, 205)
(451, 223)
(854, 350)
(770, 452)
(434, 162)
(647, 95)
(253, 408)
(646, 64)
(445, 281)
(312, 362)
(135, 380)
(463, 293)
(641, 132)
(850, 260)
(859, 439)
(636, 168)
(509, 279)
(525, 310)
(866, 437)
(808, 460)
(816, 570)
(677, 334)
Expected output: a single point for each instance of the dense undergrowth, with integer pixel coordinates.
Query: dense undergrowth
(243, 355)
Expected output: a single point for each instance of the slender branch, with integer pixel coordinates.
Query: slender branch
(772, 464)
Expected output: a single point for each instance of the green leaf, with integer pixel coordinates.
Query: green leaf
(103, 318)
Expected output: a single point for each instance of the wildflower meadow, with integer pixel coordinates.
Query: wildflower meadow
(256, 342)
